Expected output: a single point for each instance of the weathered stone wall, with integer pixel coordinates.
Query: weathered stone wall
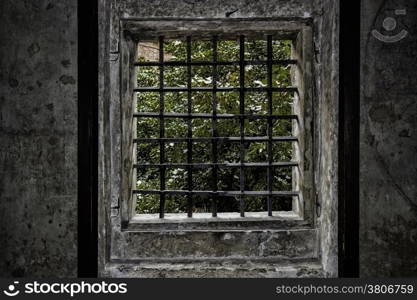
(38, 127)
(325, 62)
(388, 169)
(38, 134)
(326, 130)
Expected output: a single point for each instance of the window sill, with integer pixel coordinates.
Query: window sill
(224, 221)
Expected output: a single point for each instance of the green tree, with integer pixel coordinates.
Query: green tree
(227, 102)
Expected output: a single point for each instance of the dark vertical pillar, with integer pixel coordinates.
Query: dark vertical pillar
(87, 137)
(349, 138)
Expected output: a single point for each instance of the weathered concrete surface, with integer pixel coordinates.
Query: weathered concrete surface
(206, 9)
(38, 127)
(117, 246)
(326, 130)
(38, 135)
(388, 169)
(215, 8)
(215, 270)
(212, 244)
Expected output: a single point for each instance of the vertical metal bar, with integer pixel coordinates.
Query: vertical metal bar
(190, 131)
(214, 128)
(242, 121)
(270, 158)
(161, 128)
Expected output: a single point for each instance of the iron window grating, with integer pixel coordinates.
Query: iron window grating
(190, 166)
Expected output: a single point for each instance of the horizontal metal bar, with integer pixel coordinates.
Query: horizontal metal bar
(211, 116)
(220, 193)
(218, 89)
(220, 139)
(282, 62)
(220, 165)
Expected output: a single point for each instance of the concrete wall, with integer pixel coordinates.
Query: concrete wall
(38, 134)
(325, 31)
(38, 124)
(388, 174)
(326, 130)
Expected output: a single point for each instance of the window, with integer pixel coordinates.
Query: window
(216, 127)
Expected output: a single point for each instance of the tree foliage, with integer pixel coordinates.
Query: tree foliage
(227, 102)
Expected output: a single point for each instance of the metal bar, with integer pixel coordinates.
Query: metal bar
(220, 193)
(214, 139)
(220, 139)
(161, 129)
(242, 122)
(209, 116)
(214, 129)
(219, 89)
(190, 131)
(212, 63)
(269, 129)
(219, 165)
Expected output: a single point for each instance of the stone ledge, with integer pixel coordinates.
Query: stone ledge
(307, 269)
(277, 244)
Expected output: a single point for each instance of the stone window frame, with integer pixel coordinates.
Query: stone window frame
(301, 34)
